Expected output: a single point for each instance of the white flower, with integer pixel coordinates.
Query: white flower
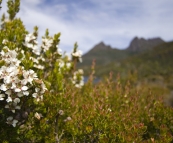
(43, 88)
(46, 44)
(3, 71)
(20, 94)
(12, 122)
(7, 106)
(78, 79)
(16, 100)
(9, 99)
(81, 83)
(38, 98)
(80, 71)
(3, 87)
(109, 110)
(18, 107)
(77, 85)
(7, 79)
(77, 54)
(13, 110)
(30, 42)
(35, 95)
(17, 90)
(2, 96)
(11, 69)
(59, 51)
(5, 41)
(75, 77)
(61, 64)
(68, 65)
(13, 85)
(30, 37)
(24, 88)
(61, 112)
(37, 89)
(68, 56)
(38, 116)
(34, 60)
(25, 93)
(29, 76)
(8, 92)
(68, 118)
(39, 67)
(12, 54)
(2, 53)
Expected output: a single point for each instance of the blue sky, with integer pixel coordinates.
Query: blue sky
(88, 22)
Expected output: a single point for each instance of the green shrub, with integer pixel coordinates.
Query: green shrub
(43, 97)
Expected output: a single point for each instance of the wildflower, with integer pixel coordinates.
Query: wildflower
(80, 71)
(61, 112)
(24, 88)
(38, 115)
(67, 119)
(20, 94)
(34, 60)
(9, 99)
(3, 87)
(15, 82)
(37, 97)
(16, 100)
(68, 65)
(43, 88)
(30, 42)
(29, 37)
(46, 44)
(25, 93)
(77, 54)
(2, 97)
(29, 76)
(78, 79)
(109, 110)
(11, 121)
(5, 41)
(61, 64)
(39, 67)
(59, 50)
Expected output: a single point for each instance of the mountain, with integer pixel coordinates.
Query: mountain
(141, 44)
(102, 54)
(105, 54)
(157, 61)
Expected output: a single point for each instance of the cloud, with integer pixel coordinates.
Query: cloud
(88, 22)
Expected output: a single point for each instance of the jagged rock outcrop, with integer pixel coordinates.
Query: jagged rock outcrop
(104, 54)
(141, 44)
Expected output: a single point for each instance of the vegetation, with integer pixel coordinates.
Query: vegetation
(43, 97)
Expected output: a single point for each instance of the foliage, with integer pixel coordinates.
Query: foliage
(51, 103)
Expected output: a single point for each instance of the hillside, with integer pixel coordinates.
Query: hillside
(140, 44)
(105, 54)
(158, 60)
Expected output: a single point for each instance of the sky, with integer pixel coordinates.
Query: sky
(88, 22)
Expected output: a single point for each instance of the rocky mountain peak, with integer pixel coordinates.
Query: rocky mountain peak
(141, 44)
(101, 46)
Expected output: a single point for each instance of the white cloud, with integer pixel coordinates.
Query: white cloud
(32, 2)
(115, 22)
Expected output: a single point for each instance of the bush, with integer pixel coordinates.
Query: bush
(43, 97)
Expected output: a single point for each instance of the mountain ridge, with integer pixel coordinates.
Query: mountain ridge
(104, 54)
(141, 44)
